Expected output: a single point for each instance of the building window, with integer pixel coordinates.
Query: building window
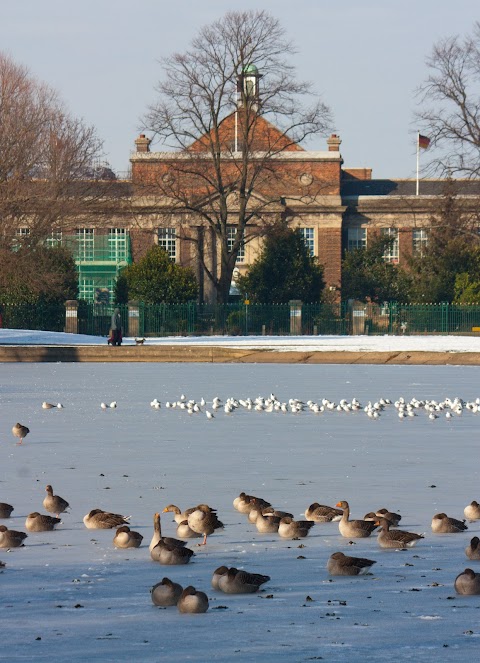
(117, 244)
(22, 232)
(231, 233)
(419, 241)
(308, 235)
(54, 239)
(85, 244)
(391, 253)
(167, 239)
(96, 289)
(356, 238)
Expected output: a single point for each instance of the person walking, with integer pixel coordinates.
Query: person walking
(116, 327)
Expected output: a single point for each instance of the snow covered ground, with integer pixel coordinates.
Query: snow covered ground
(279, 343)
(70, 595)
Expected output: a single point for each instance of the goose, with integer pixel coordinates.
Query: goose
(234, 581)
(472, 551)
(54, 503)
(126, 538)
(267, 524)
(5, 510)
(179, 516)
(395, 538)
(472, 511)
(270, 511)
(342, 565)
(294, 529)
(185, 532)
(394, 518)
(166, 592)
(20, 431)
(242, 503)
(10, 538)
(320, 513)
(98, 519)
(442, 524)
(467, 582)
(38, 522)
(168, 554)
(157, 535)
(192, 601)
(203, 520)
(353, 529)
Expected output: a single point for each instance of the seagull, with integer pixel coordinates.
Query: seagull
(209, 415)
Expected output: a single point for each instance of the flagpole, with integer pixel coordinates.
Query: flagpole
(418, 160)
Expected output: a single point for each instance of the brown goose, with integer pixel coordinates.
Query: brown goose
(39, 522)
(270, 511)
(395, 538)
(235, 581)
(166, 592)
(126, 538)
(353, 529)
(467, 582)
(343, 565)
(243, 503)
(267, 524)
(98, 519)
(20, 432)
(472, 511)
(394, 518)
(54, 503)
(170, 555)
(442, 524)
(259, 506)
(185, 532)
(10, 538)
(179, 515)
(5, 510)
(320, 513)
(472, 551)
(294, 529)
(192, 601)
(203, 520)
(157, 535)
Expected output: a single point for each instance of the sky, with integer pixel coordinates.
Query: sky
(365, 59)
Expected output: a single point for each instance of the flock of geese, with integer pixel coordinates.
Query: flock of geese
(202, 521)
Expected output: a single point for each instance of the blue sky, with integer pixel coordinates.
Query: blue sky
(365, 57)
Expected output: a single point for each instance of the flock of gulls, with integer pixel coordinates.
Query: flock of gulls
(202, 521)
(433, 409)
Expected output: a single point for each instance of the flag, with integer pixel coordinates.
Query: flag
(423, 141)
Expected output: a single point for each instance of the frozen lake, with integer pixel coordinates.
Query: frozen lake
(70, 595)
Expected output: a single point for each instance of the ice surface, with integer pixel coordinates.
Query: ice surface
(88, 601)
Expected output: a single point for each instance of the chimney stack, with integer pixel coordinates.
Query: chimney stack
(143, 143)
(334, 143)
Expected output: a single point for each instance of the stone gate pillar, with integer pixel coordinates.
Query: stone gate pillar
(71, 316)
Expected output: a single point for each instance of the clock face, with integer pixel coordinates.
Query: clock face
(305, 179)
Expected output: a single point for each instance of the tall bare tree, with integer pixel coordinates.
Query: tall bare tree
(229, 107)
(46, 159)
(450, 105)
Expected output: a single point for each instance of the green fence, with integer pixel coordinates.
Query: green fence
(40, 316)
(240, 319)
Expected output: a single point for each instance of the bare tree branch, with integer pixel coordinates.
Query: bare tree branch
(230, 139)
(449, 110)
